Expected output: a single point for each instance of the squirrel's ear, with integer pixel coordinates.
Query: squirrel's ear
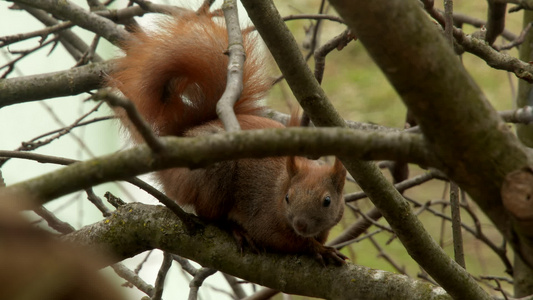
(292, 168)
(338, 175)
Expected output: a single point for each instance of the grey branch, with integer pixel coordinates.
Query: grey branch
(234, 83)
(202, 151)
(50, 85)
(81, 17)
(137, 227)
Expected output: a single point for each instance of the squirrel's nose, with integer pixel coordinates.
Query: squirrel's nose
(300, 225)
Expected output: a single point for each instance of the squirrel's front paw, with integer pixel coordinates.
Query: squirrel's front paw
(326, 255)
(242, 238)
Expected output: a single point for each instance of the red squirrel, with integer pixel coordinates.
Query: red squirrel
(175, 75)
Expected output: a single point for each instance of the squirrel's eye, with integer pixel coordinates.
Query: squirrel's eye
(287, 198)
(327, 201)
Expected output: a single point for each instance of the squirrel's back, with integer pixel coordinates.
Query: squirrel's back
(176, 74)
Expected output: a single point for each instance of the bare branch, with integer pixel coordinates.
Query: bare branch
(456, 225)
(133, 278)
(495, 20)
(234, 84)
(401, 186)
(43, 33)
(142, 127)
(197, 281)
(448, 19)
(162, 275)
(97, 201)
(53, 221)
(51, 85)
(203, 150)
(79, 16)
(480, 48)
(71, 41)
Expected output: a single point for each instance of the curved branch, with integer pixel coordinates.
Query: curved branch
(137, 227)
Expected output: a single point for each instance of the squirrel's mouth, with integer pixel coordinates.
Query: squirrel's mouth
(303, 228)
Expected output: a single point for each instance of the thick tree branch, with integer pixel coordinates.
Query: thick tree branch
(136, 227)
(201, 151)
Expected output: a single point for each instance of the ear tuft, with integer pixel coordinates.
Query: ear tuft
(338, 175)
(292, 167)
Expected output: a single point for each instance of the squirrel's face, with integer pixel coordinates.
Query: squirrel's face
(314, 201)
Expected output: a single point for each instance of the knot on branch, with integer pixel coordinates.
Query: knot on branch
(524, 74)
(517, 196)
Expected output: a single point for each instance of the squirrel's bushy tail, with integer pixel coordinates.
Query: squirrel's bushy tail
(176, 73)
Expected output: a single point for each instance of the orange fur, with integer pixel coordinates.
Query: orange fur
(184, 59)
(175, 76)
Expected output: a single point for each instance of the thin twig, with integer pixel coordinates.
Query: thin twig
(311, 45)
(478, 47)
(186, 218)
(499, 286)
(185, 265)
(134, 116)
(81, 17)
(478, 233)
(388, 258)
(133, 278)
(161, 275)
(234, 81)
(371, 220)
(53, 221)
(22, 54)
(521, 4)
(402, 186)
(235, 285)
(197, 281)
(97, 201)
(456, 225)
(43, 33)
(338, 42)
(89, 54)
(358, 239)
(314, 17)
(74, 45)
(141, 264)
(448, 18)
(495, 20)
(357, 228)
(461, 19)
(516, 42)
